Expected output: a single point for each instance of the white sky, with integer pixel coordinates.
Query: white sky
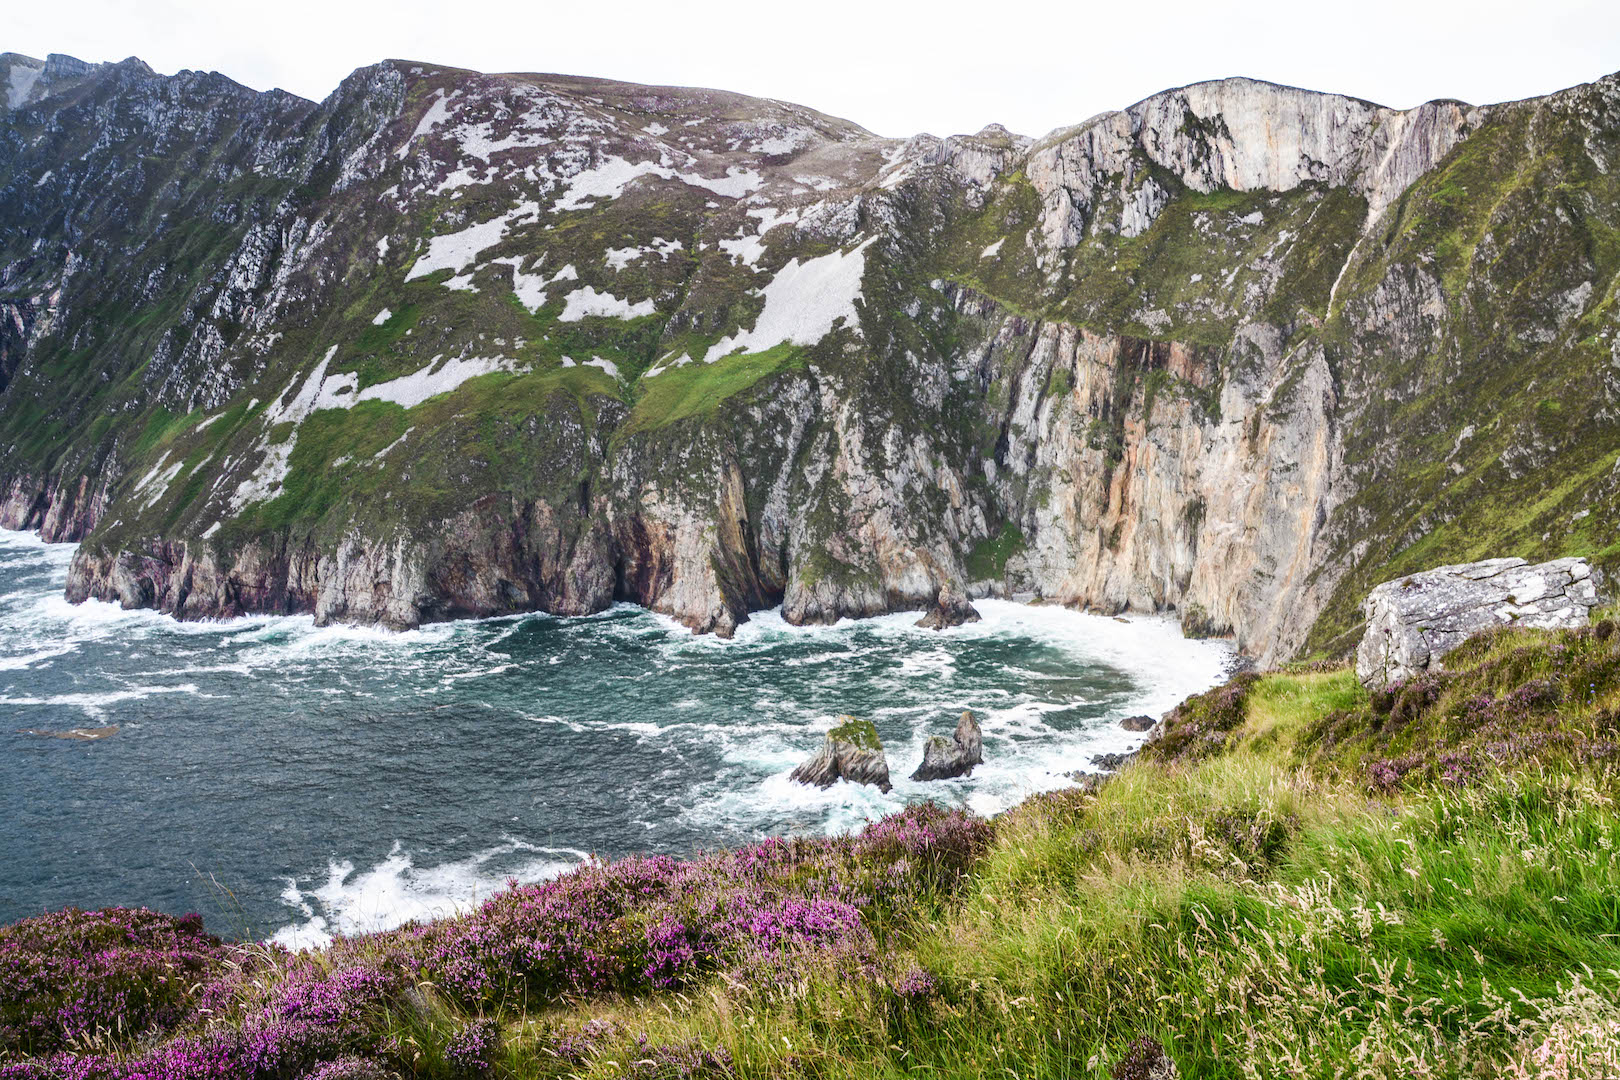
(897, 68)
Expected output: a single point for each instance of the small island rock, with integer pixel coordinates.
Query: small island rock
(951, 608)
(853, 752)
(944, 758)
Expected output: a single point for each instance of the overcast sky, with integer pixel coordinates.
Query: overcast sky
(896, 68)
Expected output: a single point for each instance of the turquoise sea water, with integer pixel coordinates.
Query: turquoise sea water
(292, 781)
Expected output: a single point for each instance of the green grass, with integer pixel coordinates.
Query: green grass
(696, 388)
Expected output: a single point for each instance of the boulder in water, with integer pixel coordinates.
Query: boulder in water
(951, 608)
(1138, 723)
(78, 734)
(944, 758)
(851, 752)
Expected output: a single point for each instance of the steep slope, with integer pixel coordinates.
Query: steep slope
(457, 344)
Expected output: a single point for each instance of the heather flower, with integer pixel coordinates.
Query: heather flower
(1145, 1059)
(678, 1062)
(645, 924)
(471, 1050)
(763, 916)
(577, 1048)
(1202, 725)
(348, 1068)
(118, 973)
(916, 985)
(1386, 774)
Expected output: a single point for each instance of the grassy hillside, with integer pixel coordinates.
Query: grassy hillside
(1296, 880)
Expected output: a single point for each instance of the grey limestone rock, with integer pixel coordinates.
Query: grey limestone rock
(1413, 622)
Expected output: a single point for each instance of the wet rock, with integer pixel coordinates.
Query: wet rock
(1413, 622)
(1111, 762)
(1089, 782)
(1138, 723)
(852, 752)
(950, 609)
(944, 758)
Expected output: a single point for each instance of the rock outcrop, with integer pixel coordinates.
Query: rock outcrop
(951, 608)
(1414, 621)
(1138, 723)
(852, 751)
(946, 758)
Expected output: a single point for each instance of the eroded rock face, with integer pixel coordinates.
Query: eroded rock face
(946, 758)
(852, 752)
(1413, 622)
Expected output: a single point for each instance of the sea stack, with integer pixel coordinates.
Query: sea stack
(951, 608)
(853, 752)
(944, 758)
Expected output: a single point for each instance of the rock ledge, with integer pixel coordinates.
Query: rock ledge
(1413, 622)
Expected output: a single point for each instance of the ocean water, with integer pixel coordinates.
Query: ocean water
(290, 781)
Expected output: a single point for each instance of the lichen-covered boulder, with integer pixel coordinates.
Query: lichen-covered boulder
(853, 752)
(946, 758)
(951, 608)
(1414, 621)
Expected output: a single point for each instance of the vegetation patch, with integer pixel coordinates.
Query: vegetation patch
(861, 734)
(1506, 699)
(988, 559)
(696, 388)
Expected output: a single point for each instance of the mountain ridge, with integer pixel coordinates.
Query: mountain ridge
(712, 353)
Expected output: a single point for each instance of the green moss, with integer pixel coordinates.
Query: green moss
(988, 559)
(861, 734)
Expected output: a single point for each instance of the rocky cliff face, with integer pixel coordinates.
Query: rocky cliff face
(455, 344)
